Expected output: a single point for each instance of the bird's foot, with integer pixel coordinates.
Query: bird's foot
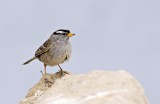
(60, 73)
(47, 82)
(65, 72)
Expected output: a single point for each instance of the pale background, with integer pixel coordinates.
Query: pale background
(110, 35)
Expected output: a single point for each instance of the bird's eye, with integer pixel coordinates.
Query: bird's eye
(63, 33)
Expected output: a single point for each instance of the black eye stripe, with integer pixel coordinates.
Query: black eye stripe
(63, 34)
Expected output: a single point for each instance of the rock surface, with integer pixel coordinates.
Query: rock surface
(96, 87)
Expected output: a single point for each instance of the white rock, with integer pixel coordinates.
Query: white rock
(96, 87)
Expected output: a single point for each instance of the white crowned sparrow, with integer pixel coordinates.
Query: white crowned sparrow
(56, 50)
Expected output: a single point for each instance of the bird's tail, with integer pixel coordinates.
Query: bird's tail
(29, 60)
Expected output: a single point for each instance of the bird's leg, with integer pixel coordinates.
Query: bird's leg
(61, 71)
(45, 78)
(45, 71)
(45, 74)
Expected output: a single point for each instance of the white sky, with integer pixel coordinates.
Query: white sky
(110, 35)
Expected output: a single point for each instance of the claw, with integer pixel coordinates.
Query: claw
(65, 72)
(47, 82)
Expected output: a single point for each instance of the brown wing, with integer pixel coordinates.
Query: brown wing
(44, 48)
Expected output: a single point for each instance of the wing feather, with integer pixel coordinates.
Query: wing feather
(44, 48)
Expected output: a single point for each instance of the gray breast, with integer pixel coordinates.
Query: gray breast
(59, 52)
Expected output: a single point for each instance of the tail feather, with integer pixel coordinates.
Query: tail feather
(29, 60)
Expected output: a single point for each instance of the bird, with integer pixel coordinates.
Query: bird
(55, 50)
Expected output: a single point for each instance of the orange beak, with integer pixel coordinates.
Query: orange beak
(70, 34)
